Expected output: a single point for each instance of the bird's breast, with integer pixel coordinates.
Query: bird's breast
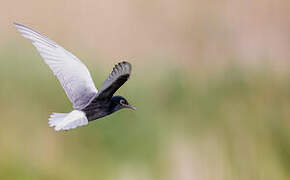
(95, 111)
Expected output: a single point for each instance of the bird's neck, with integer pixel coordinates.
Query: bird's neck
(113, 107)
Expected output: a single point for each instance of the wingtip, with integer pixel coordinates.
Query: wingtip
(126, 63)
(19, 25)
(16, 24)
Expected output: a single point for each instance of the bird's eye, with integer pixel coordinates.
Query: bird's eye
(122, 101)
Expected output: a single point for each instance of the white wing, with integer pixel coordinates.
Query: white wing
(70, 71)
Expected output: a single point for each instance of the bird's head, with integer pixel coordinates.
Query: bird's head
(119, 102)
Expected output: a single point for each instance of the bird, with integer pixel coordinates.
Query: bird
(88, 103)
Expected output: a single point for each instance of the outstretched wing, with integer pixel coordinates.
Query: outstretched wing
(72, 74)
(120, 74)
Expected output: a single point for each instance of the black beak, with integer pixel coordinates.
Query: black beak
(129, 106)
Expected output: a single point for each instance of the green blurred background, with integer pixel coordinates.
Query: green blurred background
(211, 83)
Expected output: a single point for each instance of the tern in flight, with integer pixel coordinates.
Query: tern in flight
(89, 104)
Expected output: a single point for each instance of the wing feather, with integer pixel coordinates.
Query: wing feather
(72, 74)
(119, 75)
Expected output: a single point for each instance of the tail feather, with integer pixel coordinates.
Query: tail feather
(66, 121)
(55, 118)
(58, 114)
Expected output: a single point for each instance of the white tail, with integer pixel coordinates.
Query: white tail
(66, 121)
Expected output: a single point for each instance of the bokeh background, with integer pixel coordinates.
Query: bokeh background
(211, 83)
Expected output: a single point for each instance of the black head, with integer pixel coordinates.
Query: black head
(118, 102)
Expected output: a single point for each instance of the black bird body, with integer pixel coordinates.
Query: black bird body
(88, 103)
(99, 108)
